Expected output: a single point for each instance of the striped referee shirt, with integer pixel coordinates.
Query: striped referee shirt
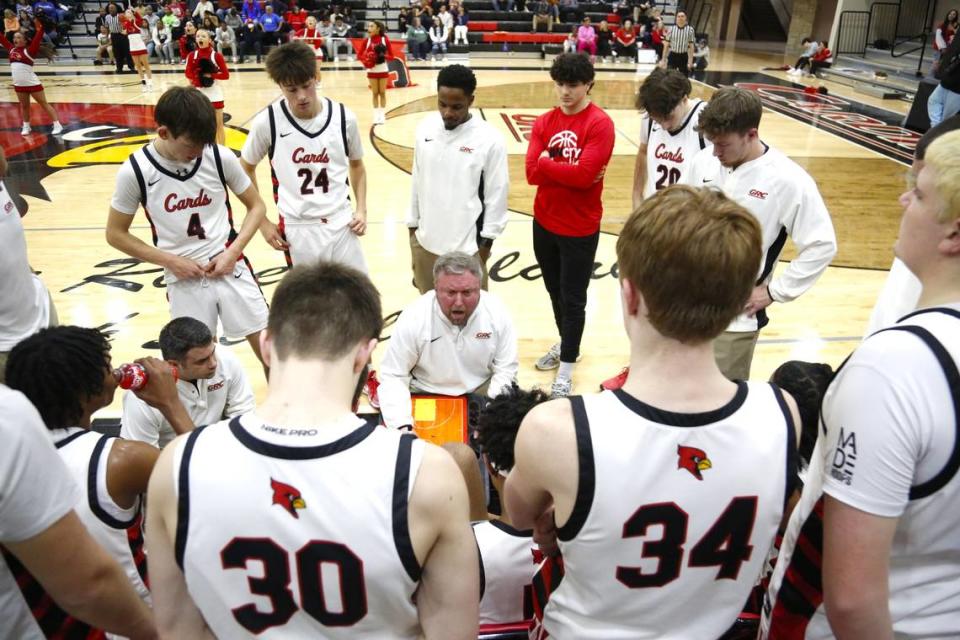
(680, 38)
(113, 23)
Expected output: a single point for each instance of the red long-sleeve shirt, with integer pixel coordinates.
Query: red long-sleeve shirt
(192, 70)
(24, 55)
(568, 200)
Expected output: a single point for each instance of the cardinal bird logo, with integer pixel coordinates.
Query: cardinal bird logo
(693, 460)
(288, 497)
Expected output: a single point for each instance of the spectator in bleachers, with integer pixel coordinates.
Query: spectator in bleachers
(403, 19)
(99, 21)
(296, 18)
(251, 40)
(604, 41)
(509, 5)
(822, 59)
(251, 10)
(446, 19)
(554, 9)
(188, 41)
(340, 31)
(146, 33)
(657, 36)
(104, 48)
(587, 38)
(11, 24)
(203, 8)
(438, 39)
(570, 44)
(625, 42)
(271, 24)
(163, 37)
(172, 23)
(570, 11)
(348, 17)
(24, 6)
(944, 35)
(461, 27)
(425, 8)
(227, 39)
(150, 16)
(541, 13)
(49, 8)
(178, 11)
(210, 22)
(418, 40)
(233, 19)
(223, 8)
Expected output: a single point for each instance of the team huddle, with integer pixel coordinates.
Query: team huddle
(681, 501)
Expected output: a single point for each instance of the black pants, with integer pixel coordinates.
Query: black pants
(252, 43)
(566, 263)
(678, 60)
(816, 65)
(802, 61)
(121, 51)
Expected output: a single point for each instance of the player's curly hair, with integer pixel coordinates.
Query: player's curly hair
(806, 382)
(500, 420)
(572, 68)
(457, 76)
(59, 369)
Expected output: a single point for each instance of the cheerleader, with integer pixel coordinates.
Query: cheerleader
(312, 36)
(131, 23)
(373, 54)
(25, 80)
(204, 67)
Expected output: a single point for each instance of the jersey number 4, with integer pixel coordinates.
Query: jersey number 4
(668, 176)
(195, 228)
(320, 182)
(726, 544)
(275, 582)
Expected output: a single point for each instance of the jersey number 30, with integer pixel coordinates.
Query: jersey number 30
(275, 583)
(725, 545)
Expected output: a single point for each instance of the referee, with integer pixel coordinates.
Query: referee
(678, 49)
(118, 38)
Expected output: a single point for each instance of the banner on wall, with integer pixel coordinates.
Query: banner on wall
(396, 65)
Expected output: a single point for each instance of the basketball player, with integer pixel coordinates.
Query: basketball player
(315, 156)
(669, 140)
(369, 524)
(666, 494)
(181, 180)
(785, 201)
(882, 491)
(507, 554)
(901, 289)
(567, 158)
(65, 372)
(40, 533)
(212, 385)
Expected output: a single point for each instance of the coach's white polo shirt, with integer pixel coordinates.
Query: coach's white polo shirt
(786, 202)
(225, 395)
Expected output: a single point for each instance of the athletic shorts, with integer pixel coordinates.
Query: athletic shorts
(313, 241)
(235, 299)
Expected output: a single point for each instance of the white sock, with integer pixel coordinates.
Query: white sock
(565, 372)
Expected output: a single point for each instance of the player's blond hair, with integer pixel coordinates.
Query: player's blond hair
(694, 255)
(943, 156)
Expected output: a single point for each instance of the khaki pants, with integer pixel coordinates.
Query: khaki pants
(54, 321)
(422, 262)
(734, 353)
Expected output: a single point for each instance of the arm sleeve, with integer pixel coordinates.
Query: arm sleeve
(395, 371)
(126, 192)
(239, 393)
(534, 148)
(595, 155)
(237, 178)
(36, 489)
(223, 71)
(6, 43)
(496, 184)
(139, 421)
(257, 144)
(353, 136)
(505, 362)
(192, 70)
(812, 233)
(873, 441)
(35, 43)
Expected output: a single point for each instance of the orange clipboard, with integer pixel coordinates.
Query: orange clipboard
(440, 419)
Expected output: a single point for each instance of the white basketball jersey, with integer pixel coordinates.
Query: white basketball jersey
(924, 578)
(670, 153)
(311, 169)
(308, 539)
(507, 563)
(119, 531)
(189, 214)
(674, 515)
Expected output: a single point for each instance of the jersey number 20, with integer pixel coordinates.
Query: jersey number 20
(726, 544)
(275, 583)
(668, 176)
(321, 181)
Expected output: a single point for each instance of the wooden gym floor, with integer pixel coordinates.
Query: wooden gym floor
(851, 144)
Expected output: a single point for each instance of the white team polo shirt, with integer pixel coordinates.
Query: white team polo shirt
(226, 394)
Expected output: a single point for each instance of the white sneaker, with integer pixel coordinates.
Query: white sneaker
(560, 388)
(25, 130)
(234, 59)
(57, 129)
(550, 360)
